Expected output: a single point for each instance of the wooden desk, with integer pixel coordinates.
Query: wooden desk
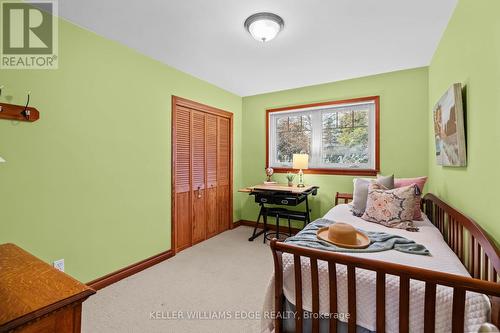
(282, 195)
(35, 297)
(283, 188)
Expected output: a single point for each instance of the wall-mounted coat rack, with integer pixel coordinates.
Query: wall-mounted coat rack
(18, 112)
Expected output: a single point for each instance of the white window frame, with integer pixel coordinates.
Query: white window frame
(315, 161)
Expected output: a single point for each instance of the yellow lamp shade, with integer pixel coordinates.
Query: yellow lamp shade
(300, 161)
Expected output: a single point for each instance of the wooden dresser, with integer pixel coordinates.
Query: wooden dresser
(35, 297)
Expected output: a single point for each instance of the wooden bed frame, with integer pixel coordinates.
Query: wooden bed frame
(466, 238)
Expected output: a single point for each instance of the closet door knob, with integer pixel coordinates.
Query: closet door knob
(199, 193)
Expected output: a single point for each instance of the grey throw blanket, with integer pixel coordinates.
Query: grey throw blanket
(379, 241)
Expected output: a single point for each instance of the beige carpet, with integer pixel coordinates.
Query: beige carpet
(225, 276)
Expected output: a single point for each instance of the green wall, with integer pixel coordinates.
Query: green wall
(469, 53)
(404, 118)
(90, 181)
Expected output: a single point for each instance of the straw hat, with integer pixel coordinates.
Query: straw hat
(343, 235)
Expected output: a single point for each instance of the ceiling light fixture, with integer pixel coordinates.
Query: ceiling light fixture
(264, 26)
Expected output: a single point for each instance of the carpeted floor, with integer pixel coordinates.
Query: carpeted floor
(225, 276)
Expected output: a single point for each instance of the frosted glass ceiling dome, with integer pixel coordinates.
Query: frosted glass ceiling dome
(264, 26)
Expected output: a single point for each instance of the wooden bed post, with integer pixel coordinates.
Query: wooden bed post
(278, 287)
(495, 310)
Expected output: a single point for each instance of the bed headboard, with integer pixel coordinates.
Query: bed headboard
(346, 197)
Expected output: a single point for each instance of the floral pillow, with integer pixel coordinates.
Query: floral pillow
(392, 208)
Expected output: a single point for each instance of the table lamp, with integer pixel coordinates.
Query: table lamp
(300, 161)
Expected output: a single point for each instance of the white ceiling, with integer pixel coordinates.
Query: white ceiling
(323, 40)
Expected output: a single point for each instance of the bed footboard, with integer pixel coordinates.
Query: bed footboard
(461, 285)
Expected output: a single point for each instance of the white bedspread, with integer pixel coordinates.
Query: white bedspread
(442, 259)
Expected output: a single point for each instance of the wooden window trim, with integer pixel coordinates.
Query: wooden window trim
(351, 172)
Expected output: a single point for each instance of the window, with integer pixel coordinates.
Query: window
(340, 137)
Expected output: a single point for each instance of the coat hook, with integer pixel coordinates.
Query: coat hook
(26, 112)
(1, 88)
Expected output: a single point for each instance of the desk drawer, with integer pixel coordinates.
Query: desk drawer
(288, 201)
(279, 199)
(263, 198)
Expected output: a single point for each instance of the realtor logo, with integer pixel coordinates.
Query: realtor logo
(29, 35)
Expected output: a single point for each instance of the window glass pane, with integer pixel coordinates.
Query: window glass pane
(347, 144)
(306, 123)
(282, 124)
(361, 117)
(345, 118)
(330, 144)
(329, 120)
(293, 136)
(354, 145)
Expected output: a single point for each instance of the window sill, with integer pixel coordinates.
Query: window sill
(344, 172)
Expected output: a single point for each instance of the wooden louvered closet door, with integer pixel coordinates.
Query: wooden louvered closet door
(202, 184)
(223, 173)
(198, 176)
(211, 159)
(182, 189)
